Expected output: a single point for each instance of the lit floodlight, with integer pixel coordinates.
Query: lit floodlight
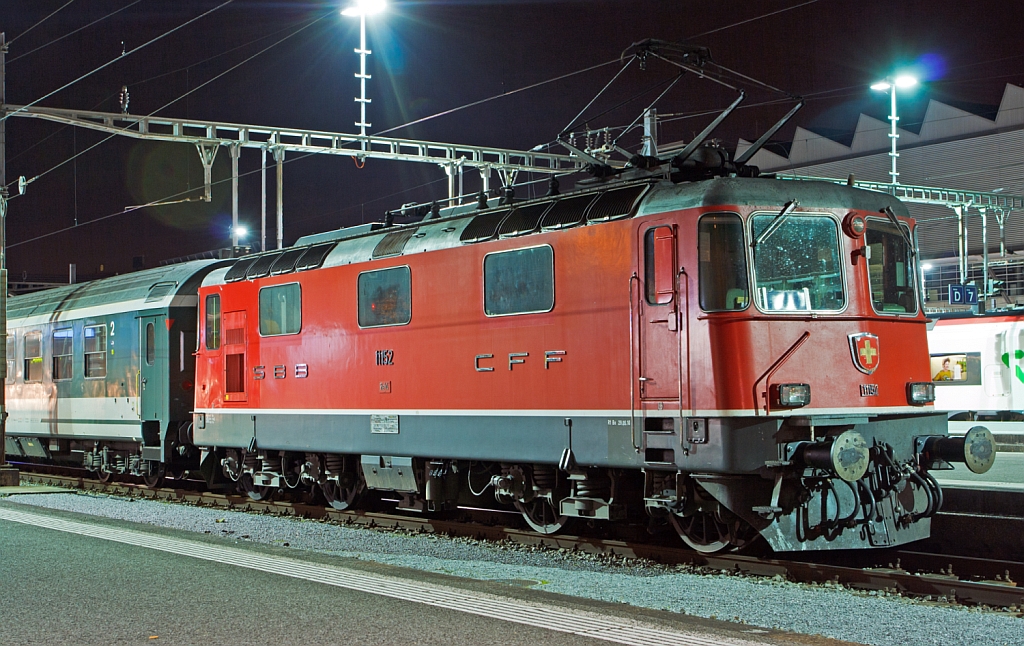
(363, 8)
(905, 81)
(240, 231)
(926, 266)
(880, 86)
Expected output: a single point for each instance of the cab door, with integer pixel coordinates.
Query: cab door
(153, 367)
(660, 323)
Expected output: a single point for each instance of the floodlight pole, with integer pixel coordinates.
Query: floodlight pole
(9, 475)
(893, 134)
(362, 76)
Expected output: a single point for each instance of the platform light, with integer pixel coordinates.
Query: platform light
(901, 81)
(239, 232)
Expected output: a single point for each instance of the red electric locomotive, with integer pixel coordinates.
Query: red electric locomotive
(739, 356)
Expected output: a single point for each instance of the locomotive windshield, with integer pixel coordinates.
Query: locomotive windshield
(797, 266)
(890, 269)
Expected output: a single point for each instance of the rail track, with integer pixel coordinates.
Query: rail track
(950, 578)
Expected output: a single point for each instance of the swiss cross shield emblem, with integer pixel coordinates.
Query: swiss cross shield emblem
(864, 347)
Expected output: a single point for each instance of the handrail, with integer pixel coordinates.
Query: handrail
(632, 377)
(767, 374)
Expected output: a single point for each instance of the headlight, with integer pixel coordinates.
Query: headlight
(920, 393)
(791, 395)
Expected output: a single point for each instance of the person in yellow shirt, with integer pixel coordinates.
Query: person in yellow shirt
(945, 374)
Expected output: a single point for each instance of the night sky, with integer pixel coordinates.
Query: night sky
(428, 57)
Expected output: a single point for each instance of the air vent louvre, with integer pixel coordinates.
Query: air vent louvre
(237, 271)
(393, 244)
(314, 256)
(615, 204)
(567, 212)
(285, 263)
(483, 227)
(523, 220)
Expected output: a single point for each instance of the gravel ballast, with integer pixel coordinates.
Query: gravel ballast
(833, 611)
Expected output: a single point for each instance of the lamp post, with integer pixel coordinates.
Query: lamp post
(900, 81)
(362, 9)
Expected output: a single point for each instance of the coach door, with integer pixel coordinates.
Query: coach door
(153, 369)
(234, 356)
(660, 323)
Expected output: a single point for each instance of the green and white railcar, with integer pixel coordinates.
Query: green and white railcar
(102, 373)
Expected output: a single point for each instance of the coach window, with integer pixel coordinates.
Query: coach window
(213, 322)
(385, 297)
(150, 344)
(280, 310)
(521, 281)
(11, 349)
(723, 263)
(797, 265)
(33, 356)
(95, 351)
(63, 344)
(890, 269)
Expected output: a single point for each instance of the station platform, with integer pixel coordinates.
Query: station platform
(132, 583)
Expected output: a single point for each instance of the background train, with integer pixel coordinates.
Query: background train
(977, 364)
(734, 356)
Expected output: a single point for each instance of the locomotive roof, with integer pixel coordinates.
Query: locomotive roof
(141, 290)
(467, 224)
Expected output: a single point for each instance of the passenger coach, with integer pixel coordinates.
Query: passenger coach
(101, 374)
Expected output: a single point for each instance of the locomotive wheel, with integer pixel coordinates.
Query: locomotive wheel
(540, 514)
(254, 492)
(341, 496)
(703, 531)
(154, 480)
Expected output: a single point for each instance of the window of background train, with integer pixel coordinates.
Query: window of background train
(723, 263)
(63, 349)
(797, 266)
(521, 281)
(213, 322)
(280, 310)
(95, 351)
(385, 297)
(890, 269)
(33, 356)
(150, 344)
(659, 265)
(11, 349)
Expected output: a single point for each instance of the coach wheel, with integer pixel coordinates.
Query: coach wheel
(254, 492)
(104, 476)
(155, 479)
(541, 515)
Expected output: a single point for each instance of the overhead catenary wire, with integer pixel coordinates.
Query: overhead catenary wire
(122, 56)
(180, 97)
(50, 15)
(749, 20)
(71, 33)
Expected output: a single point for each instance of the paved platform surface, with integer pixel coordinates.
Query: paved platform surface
(133, 584)
(26, 488)
(1006, 474)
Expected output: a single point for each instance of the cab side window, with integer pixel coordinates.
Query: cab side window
(722, 263)
(213, 322)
